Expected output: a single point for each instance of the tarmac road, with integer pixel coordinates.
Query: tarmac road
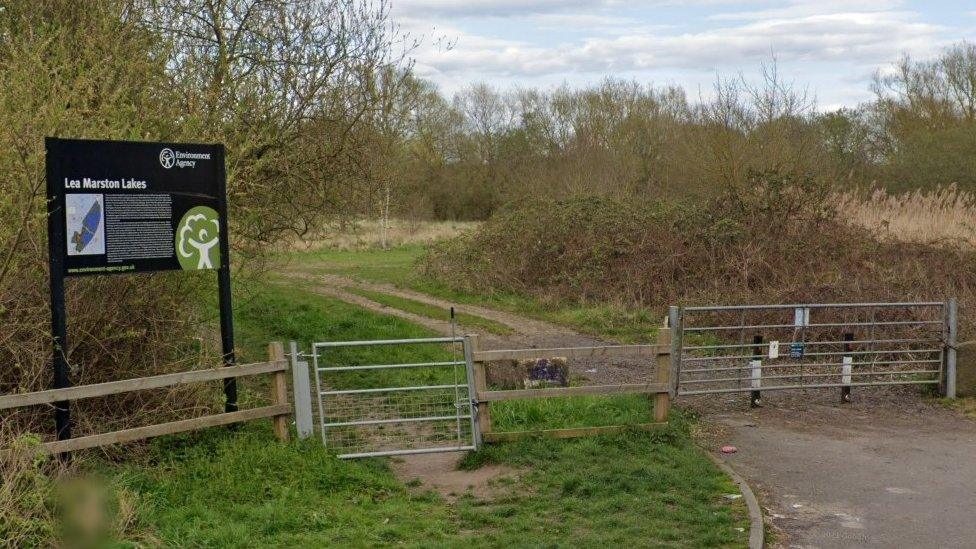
(850, 476)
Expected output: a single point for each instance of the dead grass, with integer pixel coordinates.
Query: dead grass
(945, 216)
(366, 234)
(965, 406)
(46, 503)
(26, 513)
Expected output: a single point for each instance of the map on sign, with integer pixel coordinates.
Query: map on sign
(85, 224)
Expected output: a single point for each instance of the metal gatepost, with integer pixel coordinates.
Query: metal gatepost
(367, 409)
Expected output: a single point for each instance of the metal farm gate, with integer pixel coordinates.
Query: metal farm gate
(753, 348)
(370, 409)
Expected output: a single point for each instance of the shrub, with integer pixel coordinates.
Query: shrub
(775, 238)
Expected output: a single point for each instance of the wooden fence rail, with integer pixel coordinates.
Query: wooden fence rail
(660, 388)
(279, 410)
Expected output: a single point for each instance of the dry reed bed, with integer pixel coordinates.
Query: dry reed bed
(367, 234)
(945, 216)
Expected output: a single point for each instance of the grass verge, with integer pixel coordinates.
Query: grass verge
(634, 489)
(963, 405)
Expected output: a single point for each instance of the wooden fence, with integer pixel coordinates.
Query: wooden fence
(279, 410)
(660, 388)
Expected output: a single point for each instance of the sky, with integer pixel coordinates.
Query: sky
(831, 47)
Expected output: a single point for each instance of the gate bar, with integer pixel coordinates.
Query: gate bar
(816, 386)
(387, 342)
(407, 452)
(389, 421)
(388, 389)
(806, 365)
(831, 342)
(814, 306)
(791, 376)
(821, 325)
(385, 366)
(878, 352)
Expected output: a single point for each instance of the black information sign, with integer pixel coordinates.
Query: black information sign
(131, 207)
(117, 207)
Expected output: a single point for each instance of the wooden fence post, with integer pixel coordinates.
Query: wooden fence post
(279, 390)
(480, 385)
(662, 402)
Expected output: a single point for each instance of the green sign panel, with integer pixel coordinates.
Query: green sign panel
(198, 239)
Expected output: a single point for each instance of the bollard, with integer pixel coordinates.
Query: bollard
(846, 370)
(755, 368)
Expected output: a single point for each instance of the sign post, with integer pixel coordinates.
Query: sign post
(59, 326)
(223, 282)
(118, 207)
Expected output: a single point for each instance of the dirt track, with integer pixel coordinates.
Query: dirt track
(889, 470)
(541, 333)
(529, 333)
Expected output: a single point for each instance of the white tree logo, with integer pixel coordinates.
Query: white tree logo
(167, 158)
(196, 238)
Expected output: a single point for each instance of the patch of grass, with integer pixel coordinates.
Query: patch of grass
(964, 405)
(564, 413)
(237, 489)
(614, 322)
(367, 233)
(291, 314)
(636, 488)
(397, 266)
(223, 488)
(433, 311)
(394, 265)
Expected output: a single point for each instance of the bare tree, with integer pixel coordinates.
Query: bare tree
(284, 83)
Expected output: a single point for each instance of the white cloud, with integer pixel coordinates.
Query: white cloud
(469, 8)
(535, 41)
(505, 8)
(851, 37)
(800, 8)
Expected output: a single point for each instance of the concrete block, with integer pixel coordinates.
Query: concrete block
(966, 369)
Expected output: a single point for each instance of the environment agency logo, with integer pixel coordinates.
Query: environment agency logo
(167, 158)
(197, 237)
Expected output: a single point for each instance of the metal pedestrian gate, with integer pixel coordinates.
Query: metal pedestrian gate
(754, 348)
(372, 404)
